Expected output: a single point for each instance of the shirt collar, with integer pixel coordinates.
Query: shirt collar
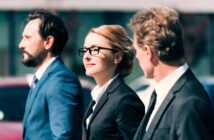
(43, 68)
(97, 92)
(168, 82)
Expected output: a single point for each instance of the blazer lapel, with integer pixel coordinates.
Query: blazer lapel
(101, 102)
(33, 92)
(99, 105)
(88, 112)
(159, 114)
(104, 97)
(167, 101)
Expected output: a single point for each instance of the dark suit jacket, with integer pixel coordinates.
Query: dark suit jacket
(185, 114)
(117, 114)
(53, 109)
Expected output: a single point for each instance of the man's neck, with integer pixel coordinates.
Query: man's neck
(45, 60)
(163, 70)
(40, 71)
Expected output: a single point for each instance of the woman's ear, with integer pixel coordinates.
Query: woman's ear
(118, 57)
(49, 41)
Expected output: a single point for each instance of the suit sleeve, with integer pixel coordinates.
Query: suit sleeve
(129, 114)
(195, 121)
(64, 106)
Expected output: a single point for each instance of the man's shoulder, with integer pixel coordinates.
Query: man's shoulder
(58, 67)
(191, 96)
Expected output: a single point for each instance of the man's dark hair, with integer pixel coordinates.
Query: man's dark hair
(51, 25)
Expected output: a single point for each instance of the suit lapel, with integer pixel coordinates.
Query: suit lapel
(99, 105)
(87, 113)
(159, 114)
(34, 92)
(104, 98)
(84, 120)
(167, 101)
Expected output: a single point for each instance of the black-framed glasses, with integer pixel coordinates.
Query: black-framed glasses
(95, 50)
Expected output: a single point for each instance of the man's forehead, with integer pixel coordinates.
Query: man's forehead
(33, 23)
(32, 26)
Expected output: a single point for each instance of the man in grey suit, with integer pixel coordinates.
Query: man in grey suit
(53, 109)
(180, 108)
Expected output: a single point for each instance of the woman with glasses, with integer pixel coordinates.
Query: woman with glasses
(115, 110)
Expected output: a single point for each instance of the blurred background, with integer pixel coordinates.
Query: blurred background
(197, 18)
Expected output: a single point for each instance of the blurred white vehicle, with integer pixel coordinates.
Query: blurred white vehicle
(144, 88)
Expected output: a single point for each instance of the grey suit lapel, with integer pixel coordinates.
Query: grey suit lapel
(167, 101)
(35, 91)
(87, 113)
(159, 114)
(84, 119)
(99, 105)
(104, 97)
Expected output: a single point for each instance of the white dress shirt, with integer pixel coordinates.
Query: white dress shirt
(163, 88)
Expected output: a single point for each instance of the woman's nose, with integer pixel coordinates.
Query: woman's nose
(87, 56)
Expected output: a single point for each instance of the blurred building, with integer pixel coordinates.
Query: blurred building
(81, 15)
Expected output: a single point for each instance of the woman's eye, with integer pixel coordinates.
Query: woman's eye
(96, 49)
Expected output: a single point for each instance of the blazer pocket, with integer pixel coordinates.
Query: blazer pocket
(162, 134)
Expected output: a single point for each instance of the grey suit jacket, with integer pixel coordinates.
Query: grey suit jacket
(117, 114)
(185, 114)
(53, 109)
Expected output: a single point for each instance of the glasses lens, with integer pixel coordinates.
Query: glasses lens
(94, 51)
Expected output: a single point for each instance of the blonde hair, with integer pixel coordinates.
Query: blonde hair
(118, 38)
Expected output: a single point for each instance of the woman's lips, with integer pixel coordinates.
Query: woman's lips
(89, 65)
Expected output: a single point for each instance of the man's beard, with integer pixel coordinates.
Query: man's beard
(34, 61)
